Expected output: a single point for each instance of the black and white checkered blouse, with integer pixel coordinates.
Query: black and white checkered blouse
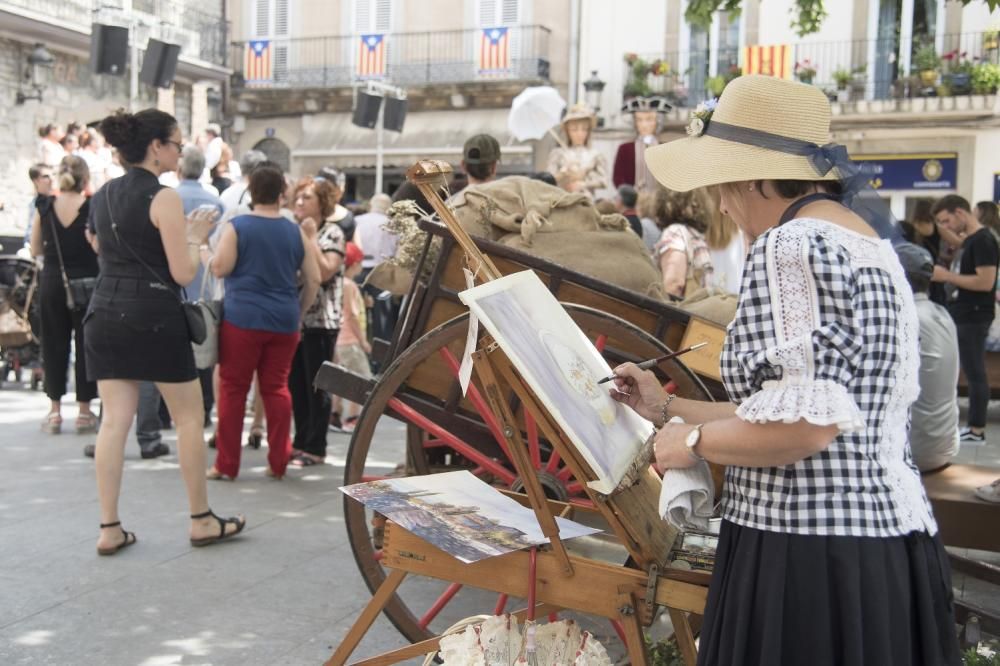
(826, 331)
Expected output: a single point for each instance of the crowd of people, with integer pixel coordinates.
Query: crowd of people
(841, 358)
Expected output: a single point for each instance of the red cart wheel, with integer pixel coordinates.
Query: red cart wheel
(419, 395)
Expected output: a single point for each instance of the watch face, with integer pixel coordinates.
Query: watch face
(693, 437)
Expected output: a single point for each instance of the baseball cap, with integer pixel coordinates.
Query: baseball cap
(916, 261)
(352, 254)
(481, 149)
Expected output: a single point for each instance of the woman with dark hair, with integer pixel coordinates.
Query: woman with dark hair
(261, 255)
(58, 233)
(684, 257)
(315, 200)
(136, 329)
(828, 545)
(986, 213)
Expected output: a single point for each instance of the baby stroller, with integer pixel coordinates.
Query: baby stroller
(19, 316)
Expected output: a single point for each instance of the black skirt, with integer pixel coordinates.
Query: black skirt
(136, 330)
(785, 599)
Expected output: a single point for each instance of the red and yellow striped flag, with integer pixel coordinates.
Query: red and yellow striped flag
(774, 60)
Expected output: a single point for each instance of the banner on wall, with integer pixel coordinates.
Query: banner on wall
(772, 60)
(923, 171)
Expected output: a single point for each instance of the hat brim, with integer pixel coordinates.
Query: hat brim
(691, 162)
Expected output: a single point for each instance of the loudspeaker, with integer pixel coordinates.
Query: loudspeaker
(395, 114)
(108, 49)
(160, 63)
(366, 110)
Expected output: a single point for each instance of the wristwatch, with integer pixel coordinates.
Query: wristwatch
(692, 441)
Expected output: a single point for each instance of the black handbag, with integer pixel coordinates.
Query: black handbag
(78, 290)
(193, 315)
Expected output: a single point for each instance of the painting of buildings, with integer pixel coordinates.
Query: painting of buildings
(458, 513)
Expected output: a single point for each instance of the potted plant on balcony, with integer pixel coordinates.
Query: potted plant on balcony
(991, 40)
(805, 71)
(958, 76)
(926, 62)
(985, 78)
(842, 77)
(639, 71)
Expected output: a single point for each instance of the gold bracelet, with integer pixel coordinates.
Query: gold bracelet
(663, 409)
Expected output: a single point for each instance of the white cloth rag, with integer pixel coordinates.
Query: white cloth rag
(687, 496)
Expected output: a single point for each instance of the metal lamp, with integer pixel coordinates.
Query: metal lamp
(593, 87)
(39, 60)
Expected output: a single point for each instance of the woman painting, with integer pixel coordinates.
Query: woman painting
(828, 551)
(58, 233)
(262, 256)
(577, 167)
(136, 329)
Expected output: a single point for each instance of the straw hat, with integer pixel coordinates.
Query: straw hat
(579, 111)
(764, 103)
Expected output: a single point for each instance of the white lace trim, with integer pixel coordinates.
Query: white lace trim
(794, 301)
(821, 402)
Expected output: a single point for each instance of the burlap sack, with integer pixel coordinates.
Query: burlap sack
(712, 304)
(616, 257)
(524, 206)
(538, 219)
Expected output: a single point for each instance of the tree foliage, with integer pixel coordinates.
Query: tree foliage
(807, 15)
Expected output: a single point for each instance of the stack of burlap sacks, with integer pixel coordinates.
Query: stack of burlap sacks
(541, 220)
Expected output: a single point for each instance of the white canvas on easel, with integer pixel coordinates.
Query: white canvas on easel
(562, 367)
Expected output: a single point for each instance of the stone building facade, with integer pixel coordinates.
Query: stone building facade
(72, 92)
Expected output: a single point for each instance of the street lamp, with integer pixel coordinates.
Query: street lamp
(39, 60)
(593, 87)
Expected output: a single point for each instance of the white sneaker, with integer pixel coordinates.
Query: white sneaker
(990, 493)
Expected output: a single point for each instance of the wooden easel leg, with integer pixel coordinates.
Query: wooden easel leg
(367, 617)
(684, 636)
(634, 641)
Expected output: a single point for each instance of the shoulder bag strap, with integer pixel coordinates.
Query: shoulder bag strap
(50, 212)
(114, 228)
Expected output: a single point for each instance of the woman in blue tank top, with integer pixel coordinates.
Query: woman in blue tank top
(262, 256)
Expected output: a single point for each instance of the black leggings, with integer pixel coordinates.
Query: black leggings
(311, 406)
(59, 324)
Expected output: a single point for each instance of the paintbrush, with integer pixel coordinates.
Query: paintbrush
(646, 365)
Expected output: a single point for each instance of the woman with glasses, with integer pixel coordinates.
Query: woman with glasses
(136, 328)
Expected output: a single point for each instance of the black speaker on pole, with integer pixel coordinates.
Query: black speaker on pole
(160, 63)
(108, 49)
(395, 114)
(366, 110)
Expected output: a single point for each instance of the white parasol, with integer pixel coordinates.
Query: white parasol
(534, 112)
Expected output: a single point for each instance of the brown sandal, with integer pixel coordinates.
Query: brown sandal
(128, 541)
(239, 521)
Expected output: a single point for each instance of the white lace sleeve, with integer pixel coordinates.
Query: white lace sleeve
(805, 373)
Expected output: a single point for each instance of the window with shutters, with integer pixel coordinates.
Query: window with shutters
(508, 14)
(269, 20)
(372, 16)
(494, 13)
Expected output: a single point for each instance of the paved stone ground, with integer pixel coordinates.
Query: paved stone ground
(285, 593)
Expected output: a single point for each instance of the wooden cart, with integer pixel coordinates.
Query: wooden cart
(419, 389)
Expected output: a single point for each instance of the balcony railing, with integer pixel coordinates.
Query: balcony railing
(202, 35)
(405, 59)
(866, 69)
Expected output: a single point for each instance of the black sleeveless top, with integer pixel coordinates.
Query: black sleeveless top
(129, 198)
(78, 257)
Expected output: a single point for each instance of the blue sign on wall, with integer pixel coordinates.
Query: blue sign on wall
(937, 171)
(996, 187)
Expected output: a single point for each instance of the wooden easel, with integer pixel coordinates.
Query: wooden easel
(563, 581)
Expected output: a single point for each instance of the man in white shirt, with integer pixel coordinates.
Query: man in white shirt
(235, 198)
(378, 245)
(934, 435)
